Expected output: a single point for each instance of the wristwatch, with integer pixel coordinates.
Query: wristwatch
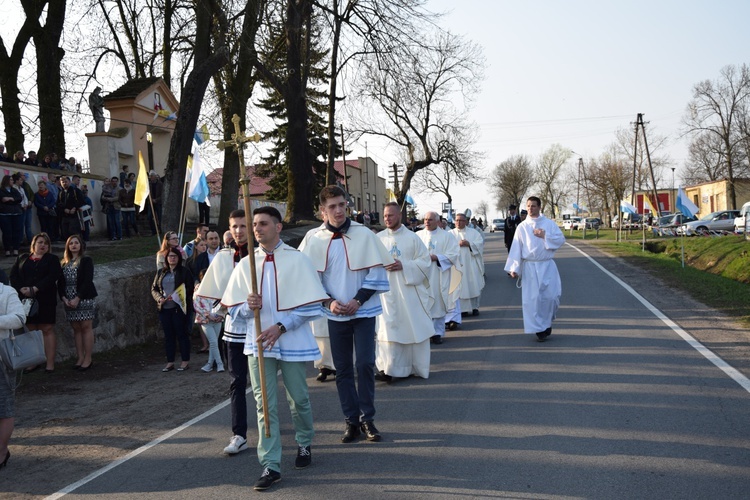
(282, 328)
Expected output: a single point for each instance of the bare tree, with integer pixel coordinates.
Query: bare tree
(360, 27)
(9, 77)
(234, 85)
(714, 109)
(705, 163)
(511, 180)
(416, 91)
(551, 178)
(657, 143)
(483, 208)
(607, 179)
(210, 55)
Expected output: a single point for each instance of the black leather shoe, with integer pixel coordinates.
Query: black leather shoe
(475, 312)
(324, 373)
(540, 337)
(451, 325)
(351, 433)
(436, 339)
(464, 314)
(371, 433)
(382, 376)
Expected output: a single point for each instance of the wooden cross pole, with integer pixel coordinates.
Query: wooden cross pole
(238, 143)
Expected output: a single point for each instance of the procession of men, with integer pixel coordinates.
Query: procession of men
(362, 307)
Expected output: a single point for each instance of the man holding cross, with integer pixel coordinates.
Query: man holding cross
(288, 297)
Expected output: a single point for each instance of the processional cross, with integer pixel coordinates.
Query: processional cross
(238, 144)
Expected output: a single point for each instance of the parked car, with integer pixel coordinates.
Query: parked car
(589, 223)
(722, 220)
(633, 222)
(497, 225)
(571, 223)
(672, 224)
(740, 220)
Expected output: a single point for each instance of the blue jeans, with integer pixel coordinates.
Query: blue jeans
(114, 224)
(12, 228)
(238, 371)
(349, 337)
(173, 322)
(128, 219)
(27, 216)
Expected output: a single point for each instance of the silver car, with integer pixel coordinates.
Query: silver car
(722, 220)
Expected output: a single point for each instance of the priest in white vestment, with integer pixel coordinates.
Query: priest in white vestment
(444, 278)
(471, 246)
(530, 257)
(405, 327)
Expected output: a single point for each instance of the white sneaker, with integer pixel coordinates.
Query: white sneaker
(219, 368)
(236, 445)
(208, 367)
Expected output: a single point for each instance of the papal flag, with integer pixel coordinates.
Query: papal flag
(141, 186)
(179, 297)
(649, 206)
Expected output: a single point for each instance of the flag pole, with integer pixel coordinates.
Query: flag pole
(183, 206)
(238, 141)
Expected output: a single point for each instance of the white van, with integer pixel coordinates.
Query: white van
(739, 222)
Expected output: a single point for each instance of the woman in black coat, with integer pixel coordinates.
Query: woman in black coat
(173, 319)
(35, 276)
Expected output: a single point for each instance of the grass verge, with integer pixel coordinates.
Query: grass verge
(716, 272)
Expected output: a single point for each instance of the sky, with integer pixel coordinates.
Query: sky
(574, 71)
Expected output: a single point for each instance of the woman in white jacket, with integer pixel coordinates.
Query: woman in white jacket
(12, 317)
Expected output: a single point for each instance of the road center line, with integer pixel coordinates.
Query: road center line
(734, 374)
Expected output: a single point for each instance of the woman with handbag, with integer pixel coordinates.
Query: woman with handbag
(78, 293)
(12, 317)
(34, 276)
(173, 319)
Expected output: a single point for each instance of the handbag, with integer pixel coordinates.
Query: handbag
(30, 306)
(24, 350)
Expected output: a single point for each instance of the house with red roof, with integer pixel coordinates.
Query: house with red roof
(364, 184)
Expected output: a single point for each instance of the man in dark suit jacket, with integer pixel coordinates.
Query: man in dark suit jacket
(511, 222)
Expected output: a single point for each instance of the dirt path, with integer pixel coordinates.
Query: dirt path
(69, 424)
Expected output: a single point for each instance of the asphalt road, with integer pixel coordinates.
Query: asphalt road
(615, 405)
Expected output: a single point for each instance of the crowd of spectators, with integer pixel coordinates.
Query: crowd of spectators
(50, 160)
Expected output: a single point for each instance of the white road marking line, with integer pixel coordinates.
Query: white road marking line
(733, 373)
(72, 487)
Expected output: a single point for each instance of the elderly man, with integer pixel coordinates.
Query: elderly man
(536, 240)
(405, 328)
(443, 277)
(471, 245)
